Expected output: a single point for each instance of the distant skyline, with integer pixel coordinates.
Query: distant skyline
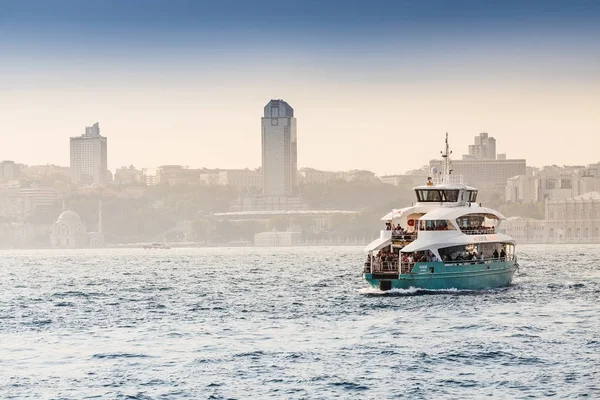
(374, 85)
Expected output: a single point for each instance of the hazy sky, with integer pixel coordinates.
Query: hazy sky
(374, 84)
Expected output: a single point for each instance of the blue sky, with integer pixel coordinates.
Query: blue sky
(394, 67)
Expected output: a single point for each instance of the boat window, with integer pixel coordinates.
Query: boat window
(451, 195)
(436, 225)
(469, 251)
(473, 196)
(428, 195)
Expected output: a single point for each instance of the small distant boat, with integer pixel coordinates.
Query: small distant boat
(446, 240)
(156, 245)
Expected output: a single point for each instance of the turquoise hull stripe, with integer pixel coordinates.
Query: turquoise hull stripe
(465, 277)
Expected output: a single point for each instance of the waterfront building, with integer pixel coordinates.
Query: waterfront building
(553, 183)
(177, 175)
(9, 171)
(245, 180)
(485, 173)
(14, 207)
(574, 220)
(274, 238)
(268, 203)
(129, 176)
(279, 149)
(526, 230)
(89, 157)
(315, 176)
(401, 180)
(358, 175)
(40, 196)
(70, 231)
(571, 220)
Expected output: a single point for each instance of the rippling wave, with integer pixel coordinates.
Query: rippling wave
(291, 323)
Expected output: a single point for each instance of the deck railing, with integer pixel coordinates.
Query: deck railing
(408, 237)
(396, 267)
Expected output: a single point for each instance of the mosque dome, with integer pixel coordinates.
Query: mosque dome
(69, 230)
(68, 216)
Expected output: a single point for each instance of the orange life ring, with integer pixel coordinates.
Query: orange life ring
(411, 222)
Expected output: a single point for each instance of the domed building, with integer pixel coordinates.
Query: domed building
(69, 231)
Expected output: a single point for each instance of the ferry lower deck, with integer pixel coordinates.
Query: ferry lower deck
(471, 275)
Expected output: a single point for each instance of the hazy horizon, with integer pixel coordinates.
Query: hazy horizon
(374, 86)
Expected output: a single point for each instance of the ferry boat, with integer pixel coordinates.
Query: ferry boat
(445, 240)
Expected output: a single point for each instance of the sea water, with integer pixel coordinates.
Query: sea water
(292, 323)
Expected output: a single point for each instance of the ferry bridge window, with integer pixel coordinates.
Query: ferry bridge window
(424, 195)
(451, 195)
(473, 196)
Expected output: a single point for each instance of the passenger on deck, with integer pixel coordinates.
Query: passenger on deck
(502, 255)
(495, 254)
(481, 258)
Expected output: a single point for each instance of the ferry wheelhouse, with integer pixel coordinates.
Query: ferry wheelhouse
(445, 240)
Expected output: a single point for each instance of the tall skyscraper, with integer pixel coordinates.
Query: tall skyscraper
(279, 149)
(88, 157)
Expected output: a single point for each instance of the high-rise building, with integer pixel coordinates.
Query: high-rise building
(279, 149)
(484, 148)
(88, 157)
(481, 167)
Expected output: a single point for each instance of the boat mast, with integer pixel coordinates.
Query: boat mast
(446, 171)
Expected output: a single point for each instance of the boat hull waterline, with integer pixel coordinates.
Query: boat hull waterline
(461, 277)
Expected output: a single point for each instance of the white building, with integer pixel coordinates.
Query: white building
(88, 157)
(552, 183)
(70, 231)
(40, 196)
(573, 220)
(277, 238)
(279, 149)
(316, 176)
(526, 230)
(130, 176)
(241, 179)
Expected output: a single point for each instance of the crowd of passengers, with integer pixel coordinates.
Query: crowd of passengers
(478, 230)
(465, 256)
(442, 226)
(427, 256)
(397, 230)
